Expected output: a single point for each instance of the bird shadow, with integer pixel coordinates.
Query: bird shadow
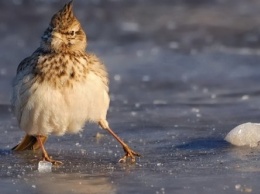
(5, 152)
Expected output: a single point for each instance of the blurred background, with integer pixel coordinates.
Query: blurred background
(141, 29)
(183, 74)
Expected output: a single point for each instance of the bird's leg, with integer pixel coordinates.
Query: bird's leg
(45, 156)
(128, 151)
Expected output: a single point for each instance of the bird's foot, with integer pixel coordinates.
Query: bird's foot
(49, 159)
(129, 153)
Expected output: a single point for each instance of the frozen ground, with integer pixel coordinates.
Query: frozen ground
(183, 74)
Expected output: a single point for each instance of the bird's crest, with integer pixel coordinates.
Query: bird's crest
(64, 17)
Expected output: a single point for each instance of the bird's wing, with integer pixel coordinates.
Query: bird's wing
(28, 142)
(29, 61)
(23, 64)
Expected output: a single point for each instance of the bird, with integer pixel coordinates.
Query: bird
(60, 87)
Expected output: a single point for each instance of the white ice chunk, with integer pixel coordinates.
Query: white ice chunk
(44, 166)
(247, 134)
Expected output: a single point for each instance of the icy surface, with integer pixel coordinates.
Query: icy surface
(182, 74)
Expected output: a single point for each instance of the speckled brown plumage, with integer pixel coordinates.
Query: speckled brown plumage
(60, 87)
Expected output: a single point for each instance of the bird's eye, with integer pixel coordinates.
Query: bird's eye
(72, 33)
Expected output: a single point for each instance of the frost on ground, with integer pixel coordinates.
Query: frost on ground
(246, 134)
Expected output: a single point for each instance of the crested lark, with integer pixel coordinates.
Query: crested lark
(60, 87)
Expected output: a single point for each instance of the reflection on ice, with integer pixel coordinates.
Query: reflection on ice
(73, 183)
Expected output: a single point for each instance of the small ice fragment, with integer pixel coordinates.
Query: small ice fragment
(78, 144)
(44, 166)
(34, 186)
(246, 134)
(237, 186)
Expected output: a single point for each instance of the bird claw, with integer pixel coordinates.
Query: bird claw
(54, 162)
(123, 160)
(129, 153)
(57, 163)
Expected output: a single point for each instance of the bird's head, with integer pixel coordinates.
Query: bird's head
(64, 33)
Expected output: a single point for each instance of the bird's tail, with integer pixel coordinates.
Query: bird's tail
(29, 142)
